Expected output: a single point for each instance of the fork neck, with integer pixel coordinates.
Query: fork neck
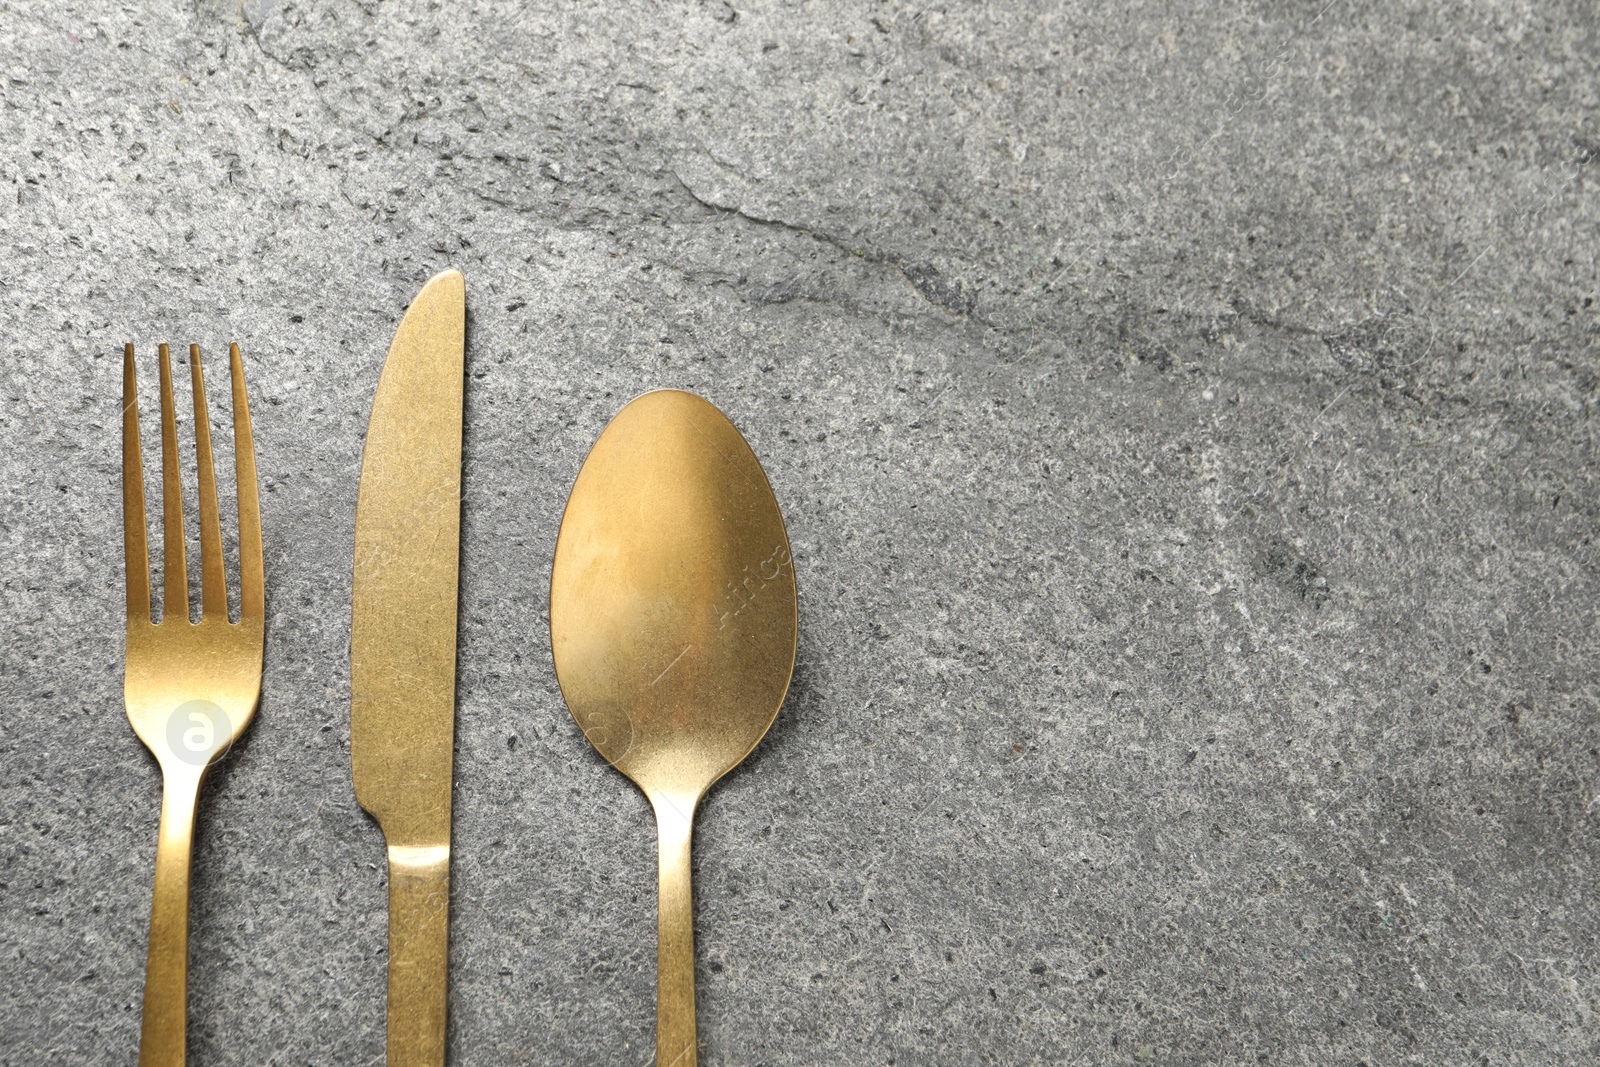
(161, 1041)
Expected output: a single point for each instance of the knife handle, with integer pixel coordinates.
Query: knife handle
(419, 951)
(676, 1042)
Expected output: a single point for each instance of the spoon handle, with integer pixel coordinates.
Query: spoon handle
(675, 1032)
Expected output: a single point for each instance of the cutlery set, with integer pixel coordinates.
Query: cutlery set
(673, 627)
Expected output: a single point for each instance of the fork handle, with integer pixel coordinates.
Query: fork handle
(419, 949)
(166, 974)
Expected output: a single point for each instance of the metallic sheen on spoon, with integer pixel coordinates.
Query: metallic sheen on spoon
(673, 620)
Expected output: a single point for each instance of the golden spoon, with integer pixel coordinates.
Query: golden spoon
(673, 623)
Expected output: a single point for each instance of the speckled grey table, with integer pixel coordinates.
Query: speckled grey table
(1185, 420)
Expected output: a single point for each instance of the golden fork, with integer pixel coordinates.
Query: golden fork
(191, 687)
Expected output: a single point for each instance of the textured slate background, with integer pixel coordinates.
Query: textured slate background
(1186, 424)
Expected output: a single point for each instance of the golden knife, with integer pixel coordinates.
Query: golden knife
(403, 649)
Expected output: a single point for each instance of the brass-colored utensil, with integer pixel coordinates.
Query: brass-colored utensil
(190, 687)
(403, 650)
(673, 624)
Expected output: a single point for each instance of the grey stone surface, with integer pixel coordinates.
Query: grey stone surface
(1186, 424)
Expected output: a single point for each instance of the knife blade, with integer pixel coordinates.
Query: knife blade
(403, 649)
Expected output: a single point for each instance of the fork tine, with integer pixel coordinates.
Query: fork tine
(252, 582)
(136, 554)
(175, 585)
(213, 578)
